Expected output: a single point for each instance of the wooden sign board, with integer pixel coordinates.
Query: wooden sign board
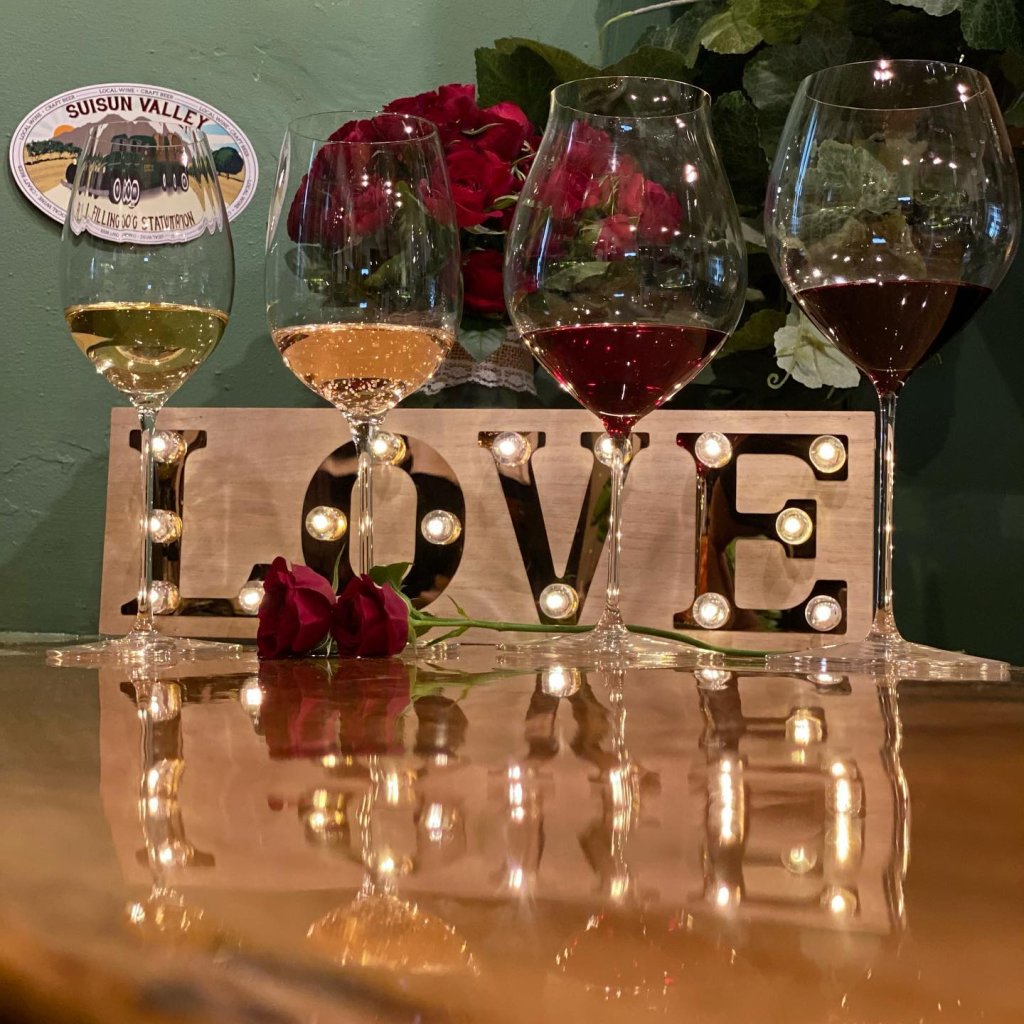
(250, 476)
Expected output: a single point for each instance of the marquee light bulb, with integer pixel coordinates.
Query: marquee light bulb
(838, 901)
(250, 596)
(603, 449)
(164, 597)
(510, 449)
(711, 610)
(440, 527)
(804, 727)
(827, 454)
(164, 526)
(168, 446)
(559, 600)
(713, 449)
(794, 526)
(798, 860)
(250, 694)
(388, 447)
(559, 681)
(327, 523)
(712, 678)
(823, 613)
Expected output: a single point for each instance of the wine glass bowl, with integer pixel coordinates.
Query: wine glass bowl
(892, 212)
(362, 273)
(146, 279)
(625, 270)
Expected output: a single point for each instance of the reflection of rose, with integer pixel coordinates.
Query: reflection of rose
(369, 621)
(295, 614)
(616, 237)
(478, 178)
(660, 214)
(482, 279)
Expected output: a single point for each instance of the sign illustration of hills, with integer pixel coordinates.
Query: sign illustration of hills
(46, 145)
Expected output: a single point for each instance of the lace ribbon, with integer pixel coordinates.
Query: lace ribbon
(509, 366)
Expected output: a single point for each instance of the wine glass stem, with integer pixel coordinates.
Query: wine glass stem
(363, 433)
(144, 615)
(884, 622)
(612, 616)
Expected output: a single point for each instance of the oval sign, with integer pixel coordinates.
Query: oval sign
(46, 144)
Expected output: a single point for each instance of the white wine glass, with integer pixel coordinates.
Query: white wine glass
(146, 277)
(364, 288)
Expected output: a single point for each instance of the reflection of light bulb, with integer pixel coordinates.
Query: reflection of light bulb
(823, 613)
(843, 839)
(727, 896)
(711, 610)
(164, 597)
(798, 860)
(168, 446)
(164, 526)
(712, 678)
(440, 527)
(325, 522)
(794, 526)
(389, 448)
(804, 727)
(826, 679)
(845, 796)
(250, 596)
(827, 454)
(558, 600)
(604, 447)
(559, 681)
(250, 694)
(510, 449)
(714, 450)
(840, 902)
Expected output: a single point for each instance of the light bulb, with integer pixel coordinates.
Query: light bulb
(164, 597)
(827, 454)
(250, 596)
(325, 522)
(559, 681)
(440, 527)
(823, 613)
(845, 796)
(603, 449)
(713, 449)
(838, 901)
(711, 610)
(168, 446)
(559, 601)
(510, 449)
(250, 694)
(712, 678)
(389, 448)
(164, 526)
(804, 727)
(798, 860)
(794, 526)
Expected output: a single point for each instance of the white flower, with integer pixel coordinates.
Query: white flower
(806, 355)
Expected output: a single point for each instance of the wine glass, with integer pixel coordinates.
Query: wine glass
(893, 211)
(363, 278)
(625, 272)
(146, 276)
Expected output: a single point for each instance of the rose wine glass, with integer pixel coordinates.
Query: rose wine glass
(146, 276)
(893, 211)
(625, 272)
(363, 284)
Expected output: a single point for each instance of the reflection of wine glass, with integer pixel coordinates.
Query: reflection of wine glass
(893, 210)
(624, 273)
(363, 283)
(147, 275)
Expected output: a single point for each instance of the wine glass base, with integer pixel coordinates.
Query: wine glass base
(599, 647)
(891, 655)
(141, 649)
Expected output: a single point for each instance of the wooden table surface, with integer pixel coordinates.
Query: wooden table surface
(469, 841)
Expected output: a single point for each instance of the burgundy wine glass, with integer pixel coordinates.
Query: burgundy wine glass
(625, 271)
(893, 211)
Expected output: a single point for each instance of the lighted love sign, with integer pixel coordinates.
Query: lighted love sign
(736, 524)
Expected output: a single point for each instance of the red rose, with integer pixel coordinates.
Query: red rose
(508, 131)
(660, 215)
(616, 237)
(567, 190)
(589, 149)
(295, 614)
(482, 281)
(452, 108)
(629, 194)
(478, 178)
(369, 621)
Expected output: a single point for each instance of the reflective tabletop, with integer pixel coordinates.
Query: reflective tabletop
(461, 840)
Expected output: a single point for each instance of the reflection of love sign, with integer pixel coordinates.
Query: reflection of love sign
(46, 145)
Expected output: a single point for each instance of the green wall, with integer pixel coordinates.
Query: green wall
(960, 506)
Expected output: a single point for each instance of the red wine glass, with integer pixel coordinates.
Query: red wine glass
(893, 211)
(625, 271)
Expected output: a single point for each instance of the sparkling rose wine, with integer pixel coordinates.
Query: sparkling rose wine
(363, 369)
(623, 371)
(889, 327)
(145, 349)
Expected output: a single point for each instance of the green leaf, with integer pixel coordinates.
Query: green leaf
(653, 62)
(757, 332)
(392, 574)
(993, 24)
(481, 344)
(936, 8)
(684, 34)
(779, 21)
(570, 275)
(730, 32)
(734, 121)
